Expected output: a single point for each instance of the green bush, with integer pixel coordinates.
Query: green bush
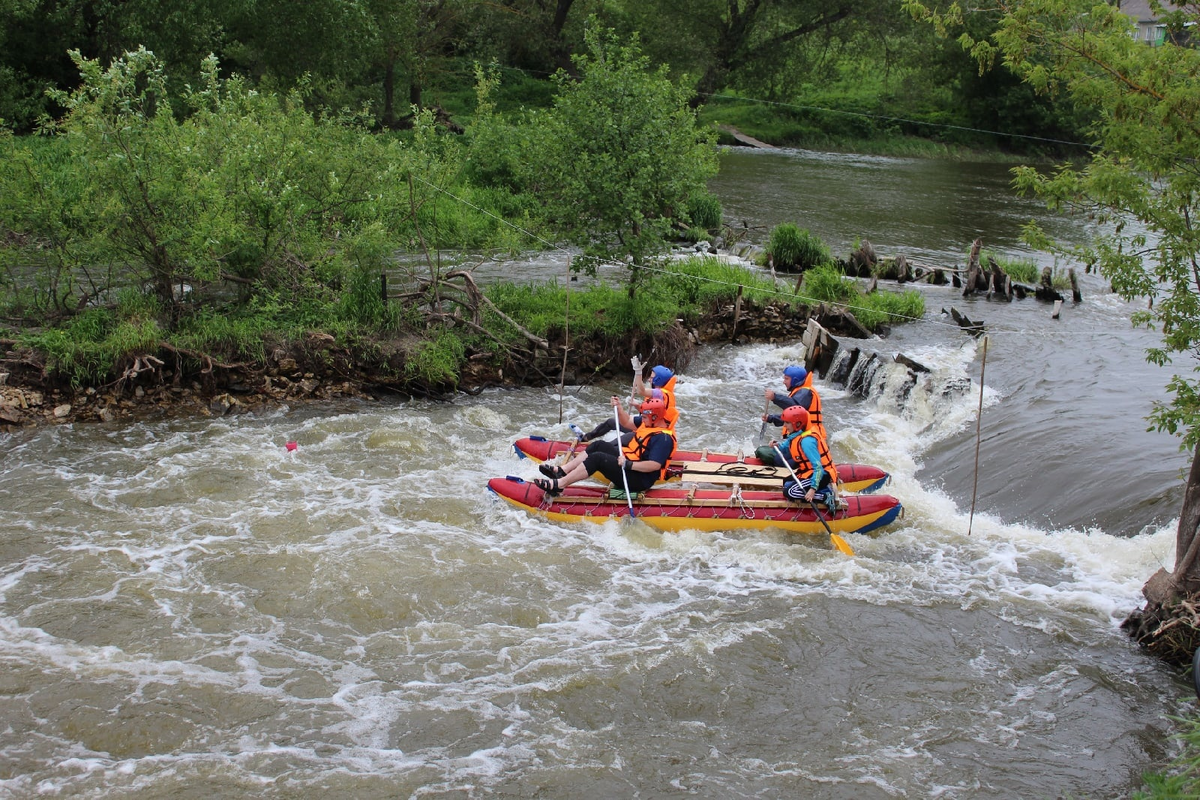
(704, 210)
(88, 348)
(794, 248)
(827, 284)
(699, 283)
(683, 289)
(879, 308)
(436, 362)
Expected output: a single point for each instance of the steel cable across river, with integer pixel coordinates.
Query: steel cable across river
(188, 607)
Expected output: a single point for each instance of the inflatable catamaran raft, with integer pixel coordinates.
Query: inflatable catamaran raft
(730, 506)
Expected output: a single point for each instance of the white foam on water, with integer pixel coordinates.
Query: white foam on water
(385, 616)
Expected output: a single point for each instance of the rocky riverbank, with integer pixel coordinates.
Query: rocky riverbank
(169, 383)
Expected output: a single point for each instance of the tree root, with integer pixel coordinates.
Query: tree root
(1168, 632)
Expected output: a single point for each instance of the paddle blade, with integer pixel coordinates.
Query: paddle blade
(841, 544)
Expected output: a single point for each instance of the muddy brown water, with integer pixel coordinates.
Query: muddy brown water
(188, 608)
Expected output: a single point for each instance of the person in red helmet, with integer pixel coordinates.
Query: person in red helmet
(604, 445)
(808, 456)
(662, 384)
(642, 456)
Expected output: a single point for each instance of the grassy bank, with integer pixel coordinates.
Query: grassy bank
(404, 341)
(1181, 781)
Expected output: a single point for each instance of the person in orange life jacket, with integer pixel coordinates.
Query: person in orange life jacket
(799, 383)
(643, 459)
(662, 379)
(807, 454)
(600, 445)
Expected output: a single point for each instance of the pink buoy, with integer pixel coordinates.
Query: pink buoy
(291, 446)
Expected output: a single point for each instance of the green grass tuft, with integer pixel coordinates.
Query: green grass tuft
(793, 248)
(826, 284)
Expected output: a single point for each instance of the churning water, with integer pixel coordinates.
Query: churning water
(189, 609)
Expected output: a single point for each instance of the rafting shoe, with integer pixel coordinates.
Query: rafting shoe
(551, 470)
(550, 487)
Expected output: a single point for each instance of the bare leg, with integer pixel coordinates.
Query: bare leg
(574, 475)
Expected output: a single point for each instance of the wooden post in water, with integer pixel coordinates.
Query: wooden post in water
(737, 313)
(970, 284)
(1075, 293)
(978, 436)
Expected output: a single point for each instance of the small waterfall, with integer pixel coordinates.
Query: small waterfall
(893, 380)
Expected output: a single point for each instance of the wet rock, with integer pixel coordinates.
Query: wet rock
(220, 405)
(106, 414)
(63, 411)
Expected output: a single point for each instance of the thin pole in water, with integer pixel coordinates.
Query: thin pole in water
(562, 378)
(978, 432)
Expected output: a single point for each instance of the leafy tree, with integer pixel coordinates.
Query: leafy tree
(247, 189)
(619, 154)
(36, 35)
(731, 39)
(536, 35)
(281, 43)
(408, 40)
(1144, 171)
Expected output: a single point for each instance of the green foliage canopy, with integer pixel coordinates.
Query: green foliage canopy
(247, 189)
(619, 154)
(1143, 181)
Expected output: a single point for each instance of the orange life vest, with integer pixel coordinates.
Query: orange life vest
(641, 440)
(671, 415)
(804, 469)
(814, 408)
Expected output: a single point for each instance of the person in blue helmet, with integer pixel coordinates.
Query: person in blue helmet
(800, 392)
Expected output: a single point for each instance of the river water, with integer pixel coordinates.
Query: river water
(188, 609)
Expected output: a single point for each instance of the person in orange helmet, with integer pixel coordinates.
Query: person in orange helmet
(807, 454)
(642, 456)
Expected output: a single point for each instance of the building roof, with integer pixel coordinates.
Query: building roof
(1140, 9)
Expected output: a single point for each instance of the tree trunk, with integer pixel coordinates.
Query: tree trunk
(414, 93)
(560, 52)
(1186, 575)
(389, 94)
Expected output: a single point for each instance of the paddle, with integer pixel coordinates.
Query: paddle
(624, 477)
(575, 429)
(762, 432)
(838, 542)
